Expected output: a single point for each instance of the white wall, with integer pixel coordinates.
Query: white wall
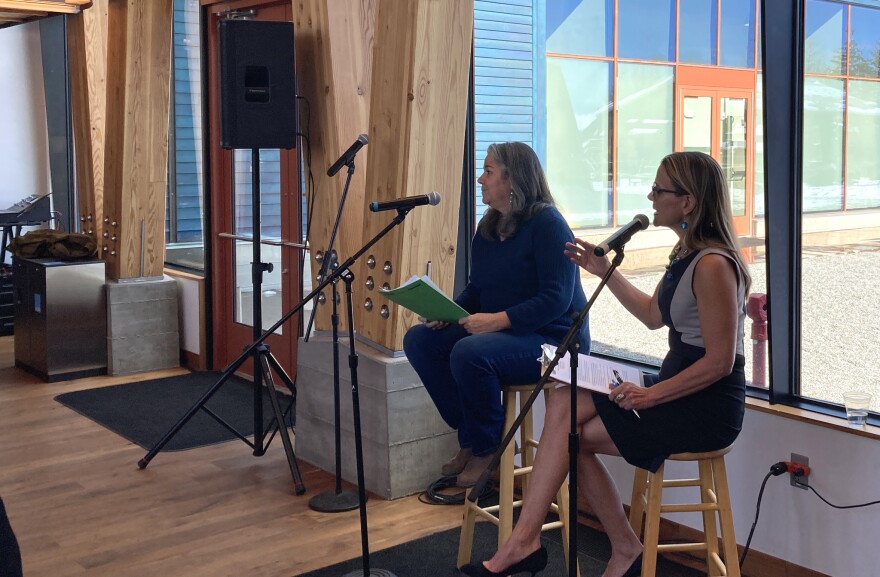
(795, 524)
(24, 141)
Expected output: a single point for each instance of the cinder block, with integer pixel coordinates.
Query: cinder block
(142, 326)
(404, 439)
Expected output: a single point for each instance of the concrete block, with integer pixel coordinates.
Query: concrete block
(404, 439)
(142, 326)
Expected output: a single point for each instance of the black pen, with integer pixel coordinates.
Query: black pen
(619, 380)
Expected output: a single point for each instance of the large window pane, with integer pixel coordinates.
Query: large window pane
(696, 130)
(185, 203)
(584, 27)
(270, 230)
(823, 144)
(863, 145)
(578, 105)
(864, 43)
(646, 29)
(644, 132)
(738, 33)
(825, 38)
(759, 147)
(697, 39)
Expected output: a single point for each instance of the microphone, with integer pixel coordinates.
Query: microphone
(348, 155)
(432, 198)
(616, 241)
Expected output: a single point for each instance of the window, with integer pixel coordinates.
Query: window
(646, 29)
(611, 113)
(738, 34)
(864, 42)
(581, 27)
(825, 37)
(698, 41)
(644, 132)
(578, 154)
(184, 207)
(841, 177)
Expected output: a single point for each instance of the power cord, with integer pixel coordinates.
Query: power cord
(798, 471)
(775, 471)
(827, 502)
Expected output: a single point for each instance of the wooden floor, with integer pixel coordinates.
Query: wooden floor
(80, 506)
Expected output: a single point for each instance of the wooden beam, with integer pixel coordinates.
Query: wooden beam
(43, 6)
(87, 47)
(334, 44)
(136, 145)
(418, 111)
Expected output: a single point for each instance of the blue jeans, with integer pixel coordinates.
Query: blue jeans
(464, 374)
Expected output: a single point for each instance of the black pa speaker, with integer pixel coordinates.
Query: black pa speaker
(257, 85)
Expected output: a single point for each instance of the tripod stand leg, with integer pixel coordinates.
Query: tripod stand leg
(142, 464)
(267, 360)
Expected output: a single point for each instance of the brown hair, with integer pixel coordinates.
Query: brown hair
(711, 222)
(531, 193)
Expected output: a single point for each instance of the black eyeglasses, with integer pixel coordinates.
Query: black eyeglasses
(655, 190)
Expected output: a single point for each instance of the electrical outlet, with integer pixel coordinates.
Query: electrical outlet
(801, 482)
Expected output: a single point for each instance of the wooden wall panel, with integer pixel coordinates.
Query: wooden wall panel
(138, 95)
(417, 127)
(334, 44)
(87, 48)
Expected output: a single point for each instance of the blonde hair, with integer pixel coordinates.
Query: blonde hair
(711, 222)
(530, 191)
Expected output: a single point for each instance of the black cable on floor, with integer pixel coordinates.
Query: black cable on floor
(775, 471)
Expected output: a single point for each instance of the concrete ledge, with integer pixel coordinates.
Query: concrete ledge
(404, 439)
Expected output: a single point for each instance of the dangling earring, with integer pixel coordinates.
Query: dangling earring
(510, 198)
(684, 225)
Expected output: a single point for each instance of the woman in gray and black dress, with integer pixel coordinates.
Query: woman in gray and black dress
(698, 401)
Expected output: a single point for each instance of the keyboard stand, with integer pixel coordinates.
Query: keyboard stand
(11, 231)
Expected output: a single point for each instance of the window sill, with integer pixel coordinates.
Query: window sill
(811, 417)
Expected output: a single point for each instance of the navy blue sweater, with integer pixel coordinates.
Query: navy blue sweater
(528, 276)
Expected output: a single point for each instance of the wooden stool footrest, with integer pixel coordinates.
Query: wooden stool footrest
(669, 547)
(696, 507)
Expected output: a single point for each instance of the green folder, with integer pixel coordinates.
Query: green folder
(424, 298)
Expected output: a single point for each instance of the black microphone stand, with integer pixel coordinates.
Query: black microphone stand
(570, 345)
(337, 500)
(348, 278)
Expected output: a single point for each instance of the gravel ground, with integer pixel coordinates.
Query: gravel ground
(840, 322)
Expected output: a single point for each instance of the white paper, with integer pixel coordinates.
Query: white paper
(592, 373)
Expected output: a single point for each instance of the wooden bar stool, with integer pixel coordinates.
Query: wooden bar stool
(714, 498)
(501, 515)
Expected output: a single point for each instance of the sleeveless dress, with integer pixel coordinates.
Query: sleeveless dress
(707, 420)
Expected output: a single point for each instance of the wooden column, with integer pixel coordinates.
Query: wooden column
(334, 44)
(136, 153)
(421, 63)
(87, 43)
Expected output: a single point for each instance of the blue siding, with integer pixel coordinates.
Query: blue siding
(504, 75)
(187, 185)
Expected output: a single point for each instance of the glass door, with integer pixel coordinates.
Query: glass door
(232, 209)
(719, 123)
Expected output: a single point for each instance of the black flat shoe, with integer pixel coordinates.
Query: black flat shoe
(635, 569)
(533, 563)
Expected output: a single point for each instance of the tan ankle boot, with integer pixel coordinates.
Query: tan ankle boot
(457, 464)
(471, 473)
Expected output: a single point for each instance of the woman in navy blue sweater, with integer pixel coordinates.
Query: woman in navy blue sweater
(522, 293)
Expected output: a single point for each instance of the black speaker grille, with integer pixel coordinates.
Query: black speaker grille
(257, 85)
